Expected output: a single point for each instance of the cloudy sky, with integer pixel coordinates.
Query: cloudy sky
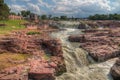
(76, 8)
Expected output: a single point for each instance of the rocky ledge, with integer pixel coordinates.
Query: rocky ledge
(89, 24)
(36, 67)
(101, 44)
(115, 70)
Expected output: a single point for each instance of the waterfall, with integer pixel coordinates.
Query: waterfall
(77, 60)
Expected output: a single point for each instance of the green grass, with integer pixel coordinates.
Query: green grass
(47, 56)
(11, 25)
(5, 63)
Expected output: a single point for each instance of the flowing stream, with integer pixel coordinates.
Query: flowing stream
(79, 65)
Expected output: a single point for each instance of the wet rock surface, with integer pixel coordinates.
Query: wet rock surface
(88, 24)
(115, 70)
(36, 67)
(101, 44)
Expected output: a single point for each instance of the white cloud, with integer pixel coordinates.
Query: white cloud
(21, 0)
(68, 7)
(17, 8)
(88, 6)
(34, 8)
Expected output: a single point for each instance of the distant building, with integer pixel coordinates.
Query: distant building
(15, 17)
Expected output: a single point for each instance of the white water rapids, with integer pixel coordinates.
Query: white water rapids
(77, 63)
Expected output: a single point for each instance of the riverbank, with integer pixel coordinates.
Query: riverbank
(45, 58)
(101, 44)
(77, 61)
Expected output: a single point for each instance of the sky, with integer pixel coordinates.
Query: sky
(75, 8)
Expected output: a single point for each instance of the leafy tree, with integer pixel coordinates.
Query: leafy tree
(4, 10)
(43, 17)
(25, 13)
(105, 17)
(1, 1)
(18, 14)
(12, 13)
(56, 18)
(63, 17)
(50, 16)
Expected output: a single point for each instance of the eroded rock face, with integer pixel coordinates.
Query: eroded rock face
(54, 45)
(15, 73)
(42, 70)
(82, 26)
(80, 38)
(101, 44)
(98, 23)
(115, 70)
(38, 67)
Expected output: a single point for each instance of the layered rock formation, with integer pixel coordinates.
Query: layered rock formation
(98, 23)
(102, 44)
(115, 70)
(37, 67)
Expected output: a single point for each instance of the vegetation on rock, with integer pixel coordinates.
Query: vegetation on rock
(33, 33)
(105, 17)
(6, 57)
(11, 25)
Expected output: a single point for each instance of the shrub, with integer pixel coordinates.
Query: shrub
(32, 33)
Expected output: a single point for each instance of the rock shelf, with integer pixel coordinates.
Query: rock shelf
(36, 67)
(101, 44)
(115, 70)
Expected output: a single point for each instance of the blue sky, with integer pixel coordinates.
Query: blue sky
(76, 8)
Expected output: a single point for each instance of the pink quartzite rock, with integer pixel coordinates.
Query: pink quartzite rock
(115, 70)
(101, 44)
(38, 46)
(42, 70)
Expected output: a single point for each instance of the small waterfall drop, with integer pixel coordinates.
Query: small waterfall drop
(77, 63)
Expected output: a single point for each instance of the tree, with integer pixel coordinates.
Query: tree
(18, 14)
(25, 13)
(105, 17)
(56, 18)
(1, 1)
(12, 13)
(63, 17)
(4, 10)
(43, 17)
(50, 16)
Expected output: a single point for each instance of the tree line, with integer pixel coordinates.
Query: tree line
(4, 10)
(27, 13)
(105, 17)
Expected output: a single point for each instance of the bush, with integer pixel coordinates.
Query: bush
(32, 33)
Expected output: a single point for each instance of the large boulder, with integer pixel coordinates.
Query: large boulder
(83, 26)
(74, 38)
(115, 70)
(42, 70)
(53, 46)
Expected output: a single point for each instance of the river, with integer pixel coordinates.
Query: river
(79, 65)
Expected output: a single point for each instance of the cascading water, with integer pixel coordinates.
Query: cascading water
(77, 63)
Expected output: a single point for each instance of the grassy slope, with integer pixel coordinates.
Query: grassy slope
(4, 62)
(11, 25)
